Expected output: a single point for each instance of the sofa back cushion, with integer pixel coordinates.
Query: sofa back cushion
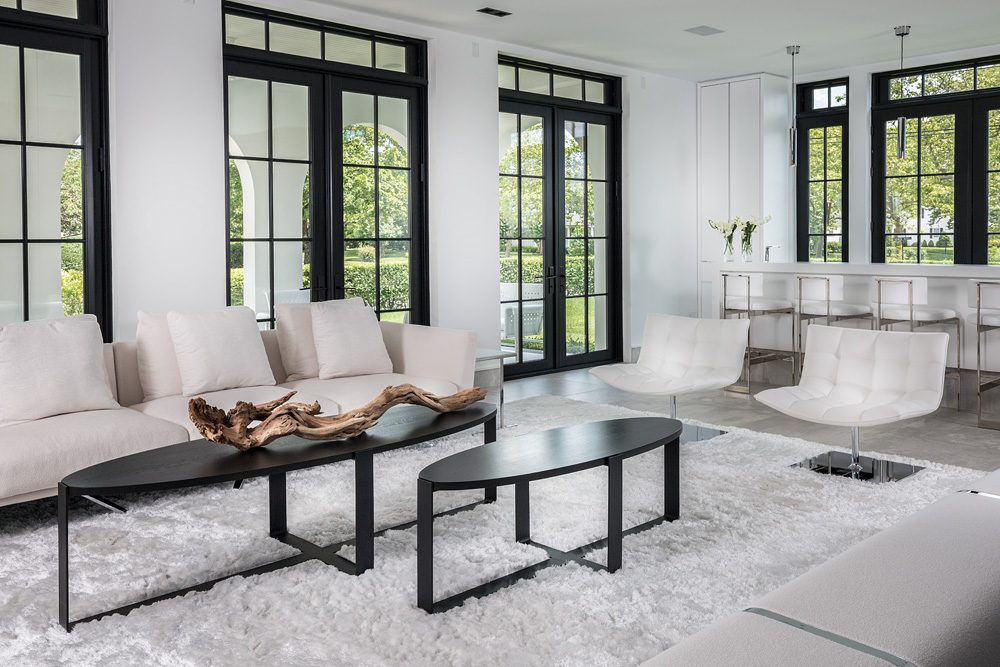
(295, 338)
(348, 340)
(219, 349)
(158, 371)
(52, 367)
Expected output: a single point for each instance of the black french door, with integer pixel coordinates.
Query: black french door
(560, 305)
(986, 182)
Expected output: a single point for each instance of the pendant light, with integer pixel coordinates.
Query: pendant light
(901, 31)
(793, 50)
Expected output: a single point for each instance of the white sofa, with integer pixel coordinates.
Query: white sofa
(34, 456)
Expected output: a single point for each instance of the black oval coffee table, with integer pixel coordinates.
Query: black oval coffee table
(199, 463)
(542, 455)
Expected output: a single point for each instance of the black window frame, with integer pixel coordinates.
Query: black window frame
(87, 36)
(806, 119)
(971, 136)
(326, 215)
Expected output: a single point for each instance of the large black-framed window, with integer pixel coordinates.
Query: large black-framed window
(822, 172)
(560, 217)
(326, 165)
(937, 201)
(54, 226)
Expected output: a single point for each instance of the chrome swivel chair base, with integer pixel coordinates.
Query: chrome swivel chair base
(838, 464)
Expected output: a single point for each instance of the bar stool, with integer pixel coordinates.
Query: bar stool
(822, 296)
(743, 296)
(984, 296)
(904, 300)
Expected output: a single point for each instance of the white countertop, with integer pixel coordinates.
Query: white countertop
(947, 271)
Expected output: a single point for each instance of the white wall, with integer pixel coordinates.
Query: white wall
(167, 160)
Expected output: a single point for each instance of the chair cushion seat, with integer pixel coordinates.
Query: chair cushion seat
(920, 313)
(849, 405)
(756, 303)
(641, 380)
(36, 455)
(991, 318)
(353, 392)
(175, 408)
(838, 308)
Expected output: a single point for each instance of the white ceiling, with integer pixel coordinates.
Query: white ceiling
(649, 34)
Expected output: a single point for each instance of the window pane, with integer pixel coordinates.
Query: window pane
(993, 249)
(574, 209)
(394, 275)
(993, 139)
(567, 86)
(597, 323)
(597, 151)
(989, 76)
(532, 145)
(400, 316)
(390, 57)
(532, 270)
(834, 207)
(359, 271)
(505, 76)
(507, 140)
(11, 286)
(533, 81)
(937, 249)
(575, 266)
(248, 131)
(65, 8)
(510, 325)
(291, 272)
(394, 203)
(508, 207)
(55, 280)
(937, 205)
(10, 93)
(249, 203)
(937, 144)
(901, 249)
(820, 98)
(11, 226)
(359, 132)
(816, 249)
(359, 202)
(291, 200)
(55, 193)
(595, 91)
(834, 151)
(894, 166)
(575, 149)
(817, 207)
(952, 81)
(900, 205)
(532, 330)
(597, 212)
(510, 269)
(348, 50)
(393, 129)
(993, 206)
(834, 249)
(52, 96)
(295, 40)
(817, 144)
(838, 96)
(597, 267)
(905, 87)
(576, 326)
(245, 31)
(532, 208)
(250, 277)
(290, 121)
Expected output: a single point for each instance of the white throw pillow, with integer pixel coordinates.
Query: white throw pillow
(295, 338)
(52, 367)
(219, 349)
(158, 371)
(348, 340)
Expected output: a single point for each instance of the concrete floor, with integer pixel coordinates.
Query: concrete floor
(946, 436)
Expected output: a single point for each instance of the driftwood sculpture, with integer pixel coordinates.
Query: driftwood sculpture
(279, 417)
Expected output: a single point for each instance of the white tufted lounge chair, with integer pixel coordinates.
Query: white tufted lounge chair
(857, 377)
(681, 355)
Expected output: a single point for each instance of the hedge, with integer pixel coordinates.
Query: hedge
(534, 266)
(360, 281)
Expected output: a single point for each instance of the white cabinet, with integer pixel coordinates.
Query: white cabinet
(743, 171)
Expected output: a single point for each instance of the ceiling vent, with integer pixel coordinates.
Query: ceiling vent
(704, 30)
(492, 11)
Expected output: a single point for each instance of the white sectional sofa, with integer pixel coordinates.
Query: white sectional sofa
(35, 455)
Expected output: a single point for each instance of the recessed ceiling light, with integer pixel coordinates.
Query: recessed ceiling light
(492, 11)
(704, 30)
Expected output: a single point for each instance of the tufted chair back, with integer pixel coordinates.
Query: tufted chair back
(675, 346)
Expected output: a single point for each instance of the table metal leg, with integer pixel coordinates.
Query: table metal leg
(277, 503)
(63, 511)
(672, 480)
(614, 514)
(522, 512)
(500, 407)
(490, 436)
(364, 511)
(425, 545)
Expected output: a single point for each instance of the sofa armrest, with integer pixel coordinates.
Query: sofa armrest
(434, 352)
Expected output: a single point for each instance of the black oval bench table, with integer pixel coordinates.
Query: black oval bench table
(542, 455)
(199, 463)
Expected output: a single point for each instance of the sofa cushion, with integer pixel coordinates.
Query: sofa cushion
(353, 392)
(36, 455)
(158, 370)
(52, 367)
(348, 340)
(219, 349)
(174, 409)
(295, 338)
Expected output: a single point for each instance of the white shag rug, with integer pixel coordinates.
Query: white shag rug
(749, 523)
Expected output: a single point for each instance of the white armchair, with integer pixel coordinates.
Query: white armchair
(858, 377)
(681, 355)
